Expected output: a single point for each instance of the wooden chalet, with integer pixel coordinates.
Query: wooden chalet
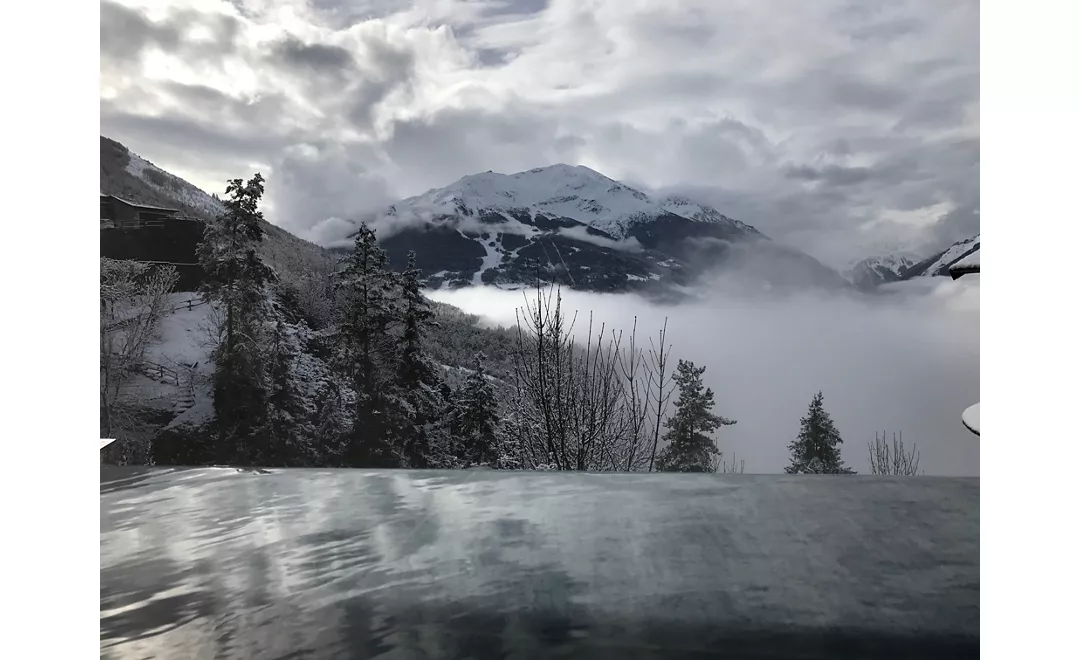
(152, 234)
(119, 213)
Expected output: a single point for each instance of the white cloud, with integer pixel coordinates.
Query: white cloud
(629, 244)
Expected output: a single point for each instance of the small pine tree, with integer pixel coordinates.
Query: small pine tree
(475, 417)
(816, 450)
(235, 277)
(689, 447)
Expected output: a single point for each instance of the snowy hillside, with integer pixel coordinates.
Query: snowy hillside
(128, 175)
(871, 273)
(938, 264)
(578, 226)
(174, 187)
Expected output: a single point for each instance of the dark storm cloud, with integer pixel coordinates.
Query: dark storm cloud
(127, 32)
(189, 138)
(311, 57)
(510, 8)
(316, 181)
(886, 30)
(833, 175)
(453, 143)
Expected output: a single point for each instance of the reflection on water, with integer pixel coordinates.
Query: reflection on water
(220, 563)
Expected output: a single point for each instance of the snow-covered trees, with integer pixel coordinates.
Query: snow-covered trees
(366, 350)
(235, 278)
(816, 450)
(134, 298)
(690, 448)
(474, 418)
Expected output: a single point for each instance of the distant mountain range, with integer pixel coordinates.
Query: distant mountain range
(873, 272)
(938, 264)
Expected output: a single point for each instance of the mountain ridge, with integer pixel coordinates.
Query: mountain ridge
(588, 230)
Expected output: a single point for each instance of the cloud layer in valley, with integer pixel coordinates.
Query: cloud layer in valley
(845, 127)
(905, 362)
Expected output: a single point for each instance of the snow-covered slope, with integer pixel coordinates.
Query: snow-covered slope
(940, 262)
(565, 191)
(871, 273)
(173, 187)
(695, 211)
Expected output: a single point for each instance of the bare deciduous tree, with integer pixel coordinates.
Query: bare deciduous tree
(892, 459)
(660, 388)
(588, 404)
(735, 466)
(134, 298)
(637, 382)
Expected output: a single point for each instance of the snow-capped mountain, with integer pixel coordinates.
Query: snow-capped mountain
(579, 226)
(939, 263)
(871, 273)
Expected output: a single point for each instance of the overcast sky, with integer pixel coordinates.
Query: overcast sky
(843, 128)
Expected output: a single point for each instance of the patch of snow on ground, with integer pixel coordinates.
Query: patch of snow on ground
(184, 346)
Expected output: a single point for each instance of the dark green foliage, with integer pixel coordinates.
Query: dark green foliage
(690, 448)
(417, 377)
(366, 289)
(235, 277)
(416, 318)
(816, 450)
(475, 418)
(280, 443)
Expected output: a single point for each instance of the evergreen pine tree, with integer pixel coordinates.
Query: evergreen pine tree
(689, 447)
(475, 417)
(283, 444)
(416, 317)
(417, 375)
(366, 288)
(816, 449)
(234, 277)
